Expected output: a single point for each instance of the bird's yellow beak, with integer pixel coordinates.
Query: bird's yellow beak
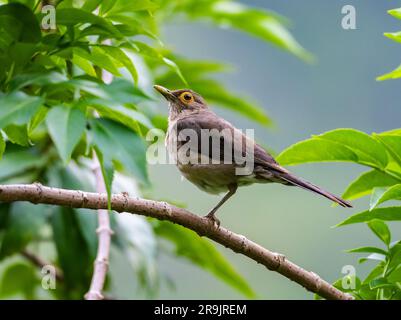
(165, 92)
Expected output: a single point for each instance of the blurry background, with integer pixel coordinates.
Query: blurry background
(339, 90)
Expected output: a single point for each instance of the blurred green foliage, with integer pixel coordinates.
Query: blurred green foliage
(381, 153)
(395, 36)
(51, 87)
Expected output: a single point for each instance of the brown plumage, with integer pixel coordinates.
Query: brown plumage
(189, 111)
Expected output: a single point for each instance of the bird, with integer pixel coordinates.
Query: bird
(209, 169)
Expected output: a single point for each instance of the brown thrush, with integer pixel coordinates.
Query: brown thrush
(212, 164)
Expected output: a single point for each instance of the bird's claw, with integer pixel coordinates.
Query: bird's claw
(213, 219)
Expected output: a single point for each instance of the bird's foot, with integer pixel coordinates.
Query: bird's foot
(211, 216)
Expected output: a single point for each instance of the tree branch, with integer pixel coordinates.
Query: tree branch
(37, 193)
(39, 262)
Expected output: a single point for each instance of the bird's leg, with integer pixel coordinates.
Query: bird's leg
(232, 188)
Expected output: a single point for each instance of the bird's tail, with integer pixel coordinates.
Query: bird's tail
(293, 180)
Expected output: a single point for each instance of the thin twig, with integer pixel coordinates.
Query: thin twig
(37, 193)
(39, 262)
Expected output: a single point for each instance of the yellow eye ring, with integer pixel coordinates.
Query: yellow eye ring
(186, 97)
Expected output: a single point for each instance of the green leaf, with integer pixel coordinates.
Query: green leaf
(90, 5)
(10, 29)
(260, 23)
(74, 178)
(202, 252)
(2, 145)
(99, 58)
(23, 225)
(40, 79)
(88, 223)
(127, 115)
(37, 119)
(19, 56)
(392, 143)
(130, 26)
(194, 69)
(367, 148)
(395, 13)
(118, 144)
(72, 251)
(374, 198)
(18, 134)
(19, 278)
(380, 283)
(373, 257)
(132, 6)
(366, 293)
(316, 150)
(381, 230)
(73, 16)
(395, 74)
(395, 247)
(148, 51)
(120, 91)
(197, 69)
(176, 69)
(123, 115)
(29, 26)
(120, 55)
(19, 161)
(396, 36)
(393, 193)
(18, 108)
(366, 182)
(107, 167)
(84, 64)
(367, 250)
(337, 145)
(392, 132)
(395, 260)
(395, 276)
(387, 214)
(106, 5)
(375, 273)
(66, 126)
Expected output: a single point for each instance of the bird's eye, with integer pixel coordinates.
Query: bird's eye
(186, 97)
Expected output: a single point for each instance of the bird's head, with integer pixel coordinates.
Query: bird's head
(182, 100)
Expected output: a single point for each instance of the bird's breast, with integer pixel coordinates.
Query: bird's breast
(214, 178)
(208, 177)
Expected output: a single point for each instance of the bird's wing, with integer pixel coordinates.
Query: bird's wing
(266, 160)
(213, 146)
(235, 148)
